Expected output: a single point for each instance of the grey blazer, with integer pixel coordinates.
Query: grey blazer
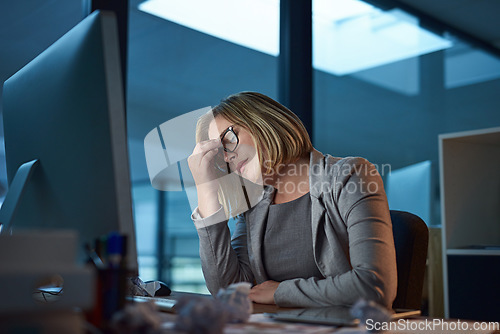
(352, 240)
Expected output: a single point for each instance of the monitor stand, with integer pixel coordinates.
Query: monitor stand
(14, 194)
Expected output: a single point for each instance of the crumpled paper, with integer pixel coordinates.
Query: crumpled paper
(138, 318)
(364, 310)
(140, 288)
(199, 315)
(236, 296)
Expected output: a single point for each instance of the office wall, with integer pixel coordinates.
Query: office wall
(353, 117)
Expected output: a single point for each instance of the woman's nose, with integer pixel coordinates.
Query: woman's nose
(229, 156)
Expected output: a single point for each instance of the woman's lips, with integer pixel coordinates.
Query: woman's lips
(241, 165)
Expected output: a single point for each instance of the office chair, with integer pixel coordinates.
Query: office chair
(411, 238)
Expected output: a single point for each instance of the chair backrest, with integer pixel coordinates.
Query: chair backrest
(411, 237)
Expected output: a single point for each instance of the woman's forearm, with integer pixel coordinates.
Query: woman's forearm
(221, 264)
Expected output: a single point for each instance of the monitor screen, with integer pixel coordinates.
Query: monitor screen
(66, 109)
(409, 189)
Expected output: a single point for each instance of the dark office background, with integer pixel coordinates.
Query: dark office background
(173, 69)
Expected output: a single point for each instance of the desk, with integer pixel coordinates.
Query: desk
(258, 323)
(263, 308)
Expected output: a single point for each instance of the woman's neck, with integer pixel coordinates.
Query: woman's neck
(290, 181)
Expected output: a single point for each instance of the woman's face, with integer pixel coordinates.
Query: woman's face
(244, 161)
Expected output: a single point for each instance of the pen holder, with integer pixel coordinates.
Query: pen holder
(110, 295)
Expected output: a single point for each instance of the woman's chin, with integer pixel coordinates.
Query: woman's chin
(254, 178)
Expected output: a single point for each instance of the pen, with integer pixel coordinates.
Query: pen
(115, 250)
(96, 260)
(101, 248)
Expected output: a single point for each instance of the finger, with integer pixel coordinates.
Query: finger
(198, 157)
(208, 156)
(207, 145)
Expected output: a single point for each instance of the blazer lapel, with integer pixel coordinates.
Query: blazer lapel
(256, 218)
(318, 211)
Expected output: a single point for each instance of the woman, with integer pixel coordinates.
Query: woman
(319, 234)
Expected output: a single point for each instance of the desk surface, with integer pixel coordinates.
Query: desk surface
(263, 308)
(258, 323)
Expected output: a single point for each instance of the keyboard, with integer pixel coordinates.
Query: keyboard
(162, 303)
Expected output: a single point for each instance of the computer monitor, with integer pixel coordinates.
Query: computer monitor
(66, 110)
(409, 189)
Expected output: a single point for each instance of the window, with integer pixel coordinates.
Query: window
(176, 66)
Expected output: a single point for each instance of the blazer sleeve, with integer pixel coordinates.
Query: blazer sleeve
(358, 199)
(224, 260)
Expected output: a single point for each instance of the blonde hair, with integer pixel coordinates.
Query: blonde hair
(279, 135)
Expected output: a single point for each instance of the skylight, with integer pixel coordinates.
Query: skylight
(366, 37)
(348, 35)
(250, 23)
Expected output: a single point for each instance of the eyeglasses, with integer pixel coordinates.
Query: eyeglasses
(230, 141)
